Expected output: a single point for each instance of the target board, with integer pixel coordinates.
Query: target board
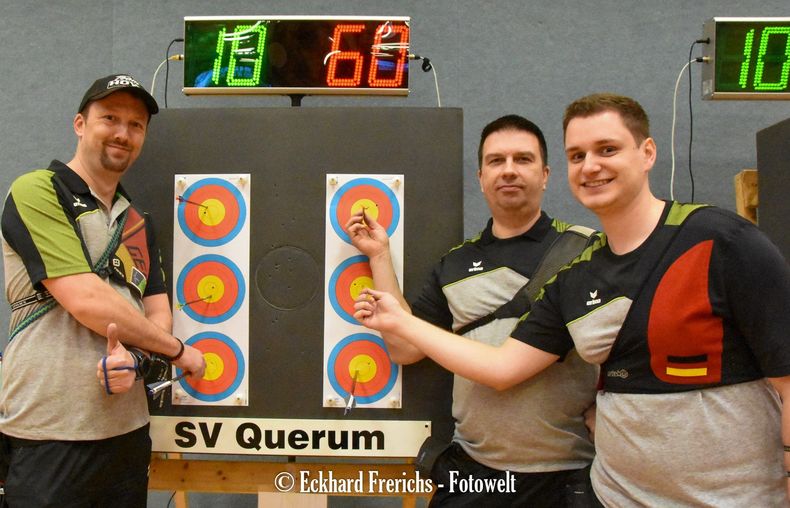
(210, 289)
(225, 367)
(356, 361)
(211, 270)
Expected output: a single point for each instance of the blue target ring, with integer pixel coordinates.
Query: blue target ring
(339, 291)
(231, 199)
(361, 344)
(187, 290)
(340, 211)
(238, 363)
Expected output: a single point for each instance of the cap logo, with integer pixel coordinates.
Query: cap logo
(123, 81)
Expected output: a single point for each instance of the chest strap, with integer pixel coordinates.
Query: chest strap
(100, 268)
(41, 296)
(564, 249)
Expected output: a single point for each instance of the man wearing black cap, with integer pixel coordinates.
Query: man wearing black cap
(81, 264)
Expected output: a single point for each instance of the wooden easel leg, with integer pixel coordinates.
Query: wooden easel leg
(181, 499)
(409, 502)
(288, 500)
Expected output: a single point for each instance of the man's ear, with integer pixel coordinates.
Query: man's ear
(79, 124)
(650, 152)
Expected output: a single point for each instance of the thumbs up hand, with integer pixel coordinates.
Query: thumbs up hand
(116, 371)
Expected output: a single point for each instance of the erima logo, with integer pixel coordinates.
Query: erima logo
(594, 300)
(476, 266)
(123, 81)
(79, 202)
(622, 373)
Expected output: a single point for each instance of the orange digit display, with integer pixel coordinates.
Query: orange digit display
(337, 55)
(385, 39)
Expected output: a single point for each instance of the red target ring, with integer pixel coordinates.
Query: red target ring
(348, 280)
(211, 212)
(364, 356)
(224, 367)
(375, 197)
(375, 200)
(210, 288)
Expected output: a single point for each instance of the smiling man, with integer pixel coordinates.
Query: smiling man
(534, 432)
(75, 303)
(685, 309)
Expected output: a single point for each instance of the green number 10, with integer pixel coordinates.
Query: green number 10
(748, 48)
(242, 34)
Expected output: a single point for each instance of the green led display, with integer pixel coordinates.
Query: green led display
(751, 57)
(289, 55)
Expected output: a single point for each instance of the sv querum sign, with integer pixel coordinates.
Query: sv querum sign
(286, 55)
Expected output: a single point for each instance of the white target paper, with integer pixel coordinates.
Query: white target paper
(356, 358)
(211, 246)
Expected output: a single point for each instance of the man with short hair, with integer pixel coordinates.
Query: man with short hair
(81, 264)
(533, 432)
(685, 309)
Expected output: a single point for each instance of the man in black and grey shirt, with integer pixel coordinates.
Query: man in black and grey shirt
(533, 432)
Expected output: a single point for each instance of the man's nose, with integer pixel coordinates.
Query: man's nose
(590, 163)
(509, 167)
(122, 132)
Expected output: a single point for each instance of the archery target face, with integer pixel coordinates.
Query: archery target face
(211, 212)
(224, 367)
(374, 196)
(210, 289)
(347, 281)
(366, 356)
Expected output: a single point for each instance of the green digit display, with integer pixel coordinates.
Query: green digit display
(217, 70)
(242, 52)
(748, 58)
(776, 57)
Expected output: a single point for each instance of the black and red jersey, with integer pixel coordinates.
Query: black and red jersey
(702, 302)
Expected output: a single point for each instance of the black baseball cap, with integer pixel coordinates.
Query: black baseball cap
(107, 85)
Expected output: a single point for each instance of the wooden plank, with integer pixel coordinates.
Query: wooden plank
(746, 194)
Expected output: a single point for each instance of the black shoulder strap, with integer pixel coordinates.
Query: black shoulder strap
(564, 249)
(101, 267)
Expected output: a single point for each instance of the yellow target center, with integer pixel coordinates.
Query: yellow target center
(371, 208)
(214, 366)
(210, 288)
(212, 212)
(360, 283)
(364, 366)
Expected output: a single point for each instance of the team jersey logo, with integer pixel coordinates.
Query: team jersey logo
(594, 300)
(477, 266)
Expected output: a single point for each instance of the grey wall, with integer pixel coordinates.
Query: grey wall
(492, 57)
